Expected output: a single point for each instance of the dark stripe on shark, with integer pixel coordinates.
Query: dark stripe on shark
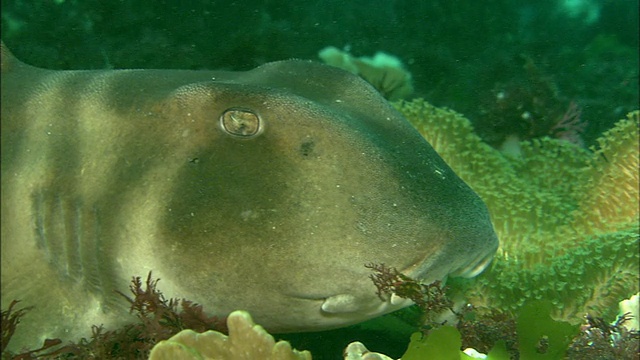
(73, 233)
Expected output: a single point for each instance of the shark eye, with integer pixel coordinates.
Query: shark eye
(240, 122)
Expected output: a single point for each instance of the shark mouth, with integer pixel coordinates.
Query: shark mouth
(430, 268)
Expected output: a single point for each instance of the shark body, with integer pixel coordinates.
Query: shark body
(266, 190)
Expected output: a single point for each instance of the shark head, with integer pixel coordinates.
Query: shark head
(266, 190)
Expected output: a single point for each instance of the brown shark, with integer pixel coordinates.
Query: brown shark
(266, 190)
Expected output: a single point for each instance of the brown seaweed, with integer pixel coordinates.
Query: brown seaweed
(158, 319)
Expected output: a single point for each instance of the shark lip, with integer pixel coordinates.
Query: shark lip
(475, 267)
(421, 270)
(418, 269)
(396, 300)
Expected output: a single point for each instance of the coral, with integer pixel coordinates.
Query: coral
(566, 217)
(357, 351)
(612, 179)
(246, 341)
(385, 72)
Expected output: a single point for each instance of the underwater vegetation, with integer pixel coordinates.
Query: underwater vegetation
(430, 298)
(600, 340)
(566, 217)
(528, 107)
(10, 319)
(158, 319)
(165, 332)
(528, 333)
(537, 337)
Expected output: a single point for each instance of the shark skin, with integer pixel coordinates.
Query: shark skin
(266, 190)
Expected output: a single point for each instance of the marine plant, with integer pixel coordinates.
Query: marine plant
(532, 334)
(526, 107)
(430, 298)
(566, 217)
(539, 337)
(158, 319)
(600, 340)
(9, 320)
(484, 329)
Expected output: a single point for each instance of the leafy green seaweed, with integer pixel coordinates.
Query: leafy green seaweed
(540, 336)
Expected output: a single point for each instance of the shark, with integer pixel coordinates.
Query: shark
(265, 190)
